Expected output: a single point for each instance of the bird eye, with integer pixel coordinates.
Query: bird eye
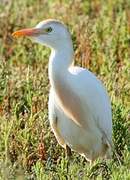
(49, 29)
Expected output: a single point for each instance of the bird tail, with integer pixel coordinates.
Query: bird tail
(111, 148)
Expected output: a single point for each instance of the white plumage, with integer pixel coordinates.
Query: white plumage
(79, 107)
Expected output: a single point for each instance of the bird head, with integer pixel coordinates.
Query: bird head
(51, 33)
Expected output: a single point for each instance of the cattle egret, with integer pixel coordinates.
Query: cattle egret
(79, 106)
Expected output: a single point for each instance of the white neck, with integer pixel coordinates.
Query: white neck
(59, 62)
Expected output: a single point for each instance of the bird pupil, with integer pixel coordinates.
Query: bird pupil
(49, 29)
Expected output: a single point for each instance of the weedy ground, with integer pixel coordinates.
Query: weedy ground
(101, 37)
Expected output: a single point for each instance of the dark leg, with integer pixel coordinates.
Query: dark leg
(68, 156)
(68, 151)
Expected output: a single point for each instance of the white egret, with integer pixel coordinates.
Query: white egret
(79, 107)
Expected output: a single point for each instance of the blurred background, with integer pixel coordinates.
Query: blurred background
(101, 37)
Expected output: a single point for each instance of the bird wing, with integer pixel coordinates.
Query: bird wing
(84, 100)
(91, 106)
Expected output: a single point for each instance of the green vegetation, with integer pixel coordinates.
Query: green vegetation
(101, 36)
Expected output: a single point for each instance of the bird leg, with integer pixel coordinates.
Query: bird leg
(68, 151)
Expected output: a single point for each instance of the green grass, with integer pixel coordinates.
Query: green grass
(101, 37)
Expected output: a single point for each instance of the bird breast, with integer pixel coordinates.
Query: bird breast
(70, 102)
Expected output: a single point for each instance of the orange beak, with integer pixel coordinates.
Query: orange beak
(27, 32)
